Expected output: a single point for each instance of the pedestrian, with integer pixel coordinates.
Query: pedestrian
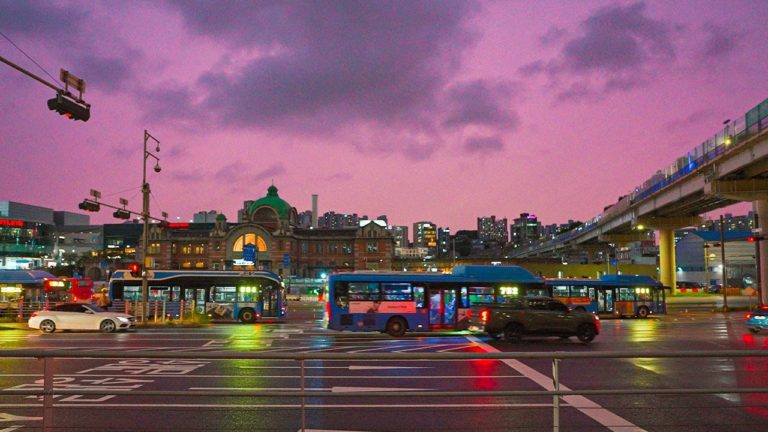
(104, 302)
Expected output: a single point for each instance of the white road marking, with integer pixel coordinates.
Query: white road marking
(335, 389)
(5, 417)
(586, 406)
(269, 406)
(353, 367)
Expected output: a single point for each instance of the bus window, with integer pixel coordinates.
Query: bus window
(464, 297)
(247, 293)
(341, 295)
(224, 294)
(176, 293)
(480, 294)
(364, 291)
(579, 291)
(132, 293)
(418, 295)
(159, 293)
(560, 291)
(397, 291)
(625, 294)
(643, 294)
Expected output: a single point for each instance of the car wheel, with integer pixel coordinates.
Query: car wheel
(495, 335)
(643, 312)
(247, 316)
(396, 327)
(586, 332)
(48, 326)
(513, 332)
(754, 330)
(107, 326)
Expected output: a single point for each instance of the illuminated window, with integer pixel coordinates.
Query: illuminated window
(186, 250)
(199, 249)
(249, 238)
(154, 248)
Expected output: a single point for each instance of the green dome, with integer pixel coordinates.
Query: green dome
(272, 200)
(221, 217)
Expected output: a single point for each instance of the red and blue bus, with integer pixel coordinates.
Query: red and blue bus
(244, 296)
(396, 302)
(617, 295)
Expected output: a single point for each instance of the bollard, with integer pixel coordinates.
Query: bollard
(155, 317)
(181, 310)
(163, 310)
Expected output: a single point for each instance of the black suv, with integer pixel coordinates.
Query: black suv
(533, 316)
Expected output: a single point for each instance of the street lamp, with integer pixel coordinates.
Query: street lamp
(145, 215)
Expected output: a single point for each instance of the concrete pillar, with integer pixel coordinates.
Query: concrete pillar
(761, 208)
(667, 264)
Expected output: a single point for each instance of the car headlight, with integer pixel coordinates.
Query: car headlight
(123, 319)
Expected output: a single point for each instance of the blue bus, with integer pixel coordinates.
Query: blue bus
(396, 302)
(617, 295)
(244, 296)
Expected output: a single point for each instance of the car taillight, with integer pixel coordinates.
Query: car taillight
(484, 315)
(328, 311)
(749, 315)
(34, 314)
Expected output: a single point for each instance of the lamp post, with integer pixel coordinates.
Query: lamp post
(722, 260)
(145, 191)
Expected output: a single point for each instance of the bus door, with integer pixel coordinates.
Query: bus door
(269, 296)
(200, 300)
(604, 300)
(442, 307)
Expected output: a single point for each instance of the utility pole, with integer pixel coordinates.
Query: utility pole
(145, 191)
(722, 254)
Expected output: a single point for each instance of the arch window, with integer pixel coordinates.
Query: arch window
(249, 238)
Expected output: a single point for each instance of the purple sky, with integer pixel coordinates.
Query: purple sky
(441, 111)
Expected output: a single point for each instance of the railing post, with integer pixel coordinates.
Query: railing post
(47, 394)
(303, 401)
(181, 310)
(556, 398)
(163, 310)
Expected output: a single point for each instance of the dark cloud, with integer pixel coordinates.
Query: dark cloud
(107, 74)
(484, 145)
(481, 103)
(616, 39)
(620, 48)
(553, 35)
(168, 102)
(41, 20)
(577, 92)
(325, 64)
(231, 173)
(720, 43)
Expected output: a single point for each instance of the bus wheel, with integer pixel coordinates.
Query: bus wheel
(643, 312)
(247, 316)
(513, 332)
(396, 327)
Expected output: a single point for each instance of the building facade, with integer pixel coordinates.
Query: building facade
(269, 236)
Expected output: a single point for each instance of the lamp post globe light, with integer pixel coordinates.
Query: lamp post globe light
(145, 191)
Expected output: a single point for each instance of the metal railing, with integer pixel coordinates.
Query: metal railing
(556, 391)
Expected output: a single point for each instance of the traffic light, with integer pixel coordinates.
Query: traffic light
(88, 205)
(122, 214)
(135, 269)
(69, 108)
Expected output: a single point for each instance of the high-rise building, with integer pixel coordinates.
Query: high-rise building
(400, 234)
(205, 216)
(425, 235)
(444, 248)
(525, 229)
(490, 229)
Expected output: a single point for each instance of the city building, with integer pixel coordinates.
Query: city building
(490, 229)
(525, 230)
(425, 235)
(699, 258)
(400, 235)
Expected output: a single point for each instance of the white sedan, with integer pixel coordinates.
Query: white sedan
(77, 316)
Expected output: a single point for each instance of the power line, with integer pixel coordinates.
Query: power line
(28, 56)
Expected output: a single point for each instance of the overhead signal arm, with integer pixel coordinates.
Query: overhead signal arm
(65, 103)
